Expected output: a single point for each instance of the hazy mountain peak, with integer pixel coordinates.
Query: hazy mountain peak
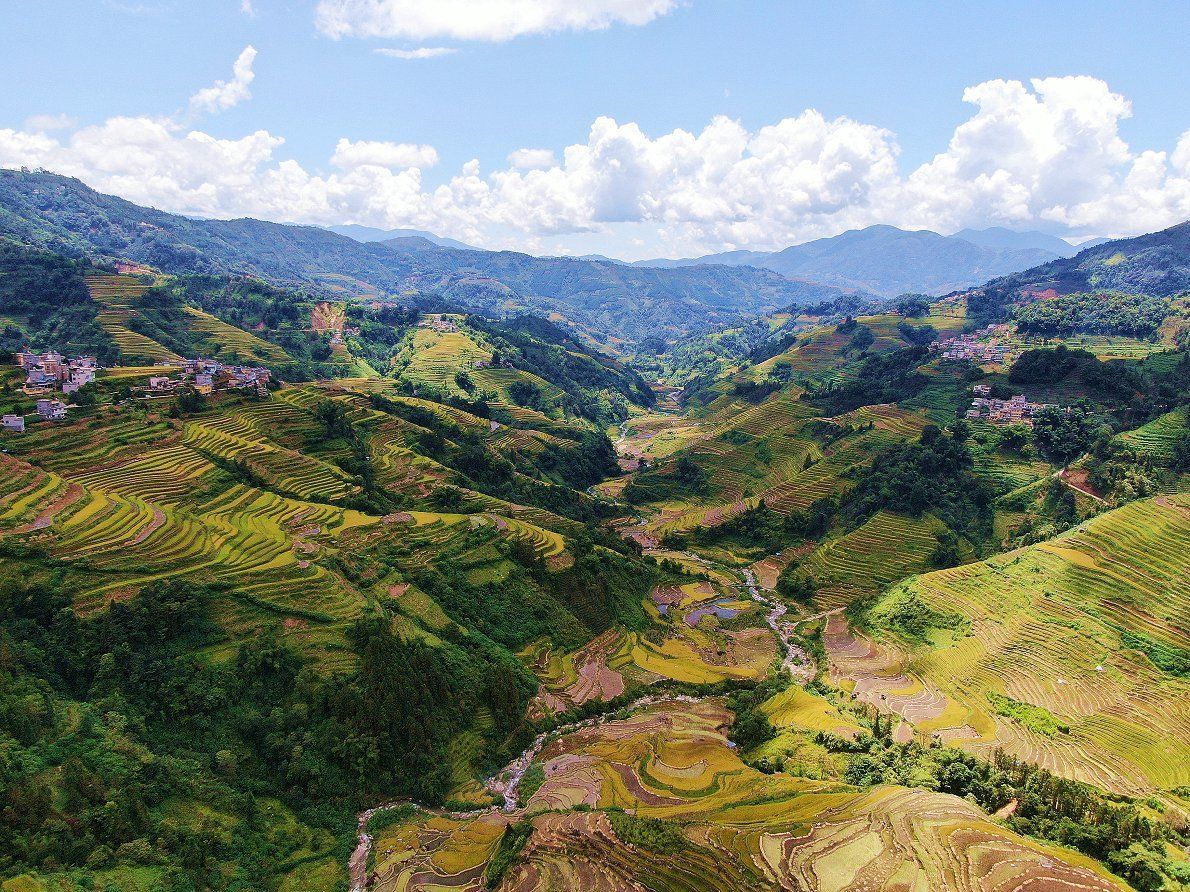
(1002, 238)
(368, 234)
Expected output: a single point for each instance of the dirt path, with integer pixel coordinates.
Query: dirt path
(1077, 480)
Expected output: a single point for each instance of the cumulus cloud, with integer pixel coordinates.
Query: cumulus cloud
(1046, 154)
(422, 52)
(479, 19)
(398, 155)
(223, 95)
(532, 159)
(247, 8)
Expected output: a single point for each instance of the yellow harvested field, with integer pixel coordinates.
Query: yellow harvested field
(743, 831)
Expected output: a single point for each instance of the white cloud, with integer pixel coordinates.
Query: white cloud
(247, 8)
(479, 19)
(532, 159)
(1047, 154)
(422, 52)
(223, 95)
(48, 123)
(401, 156)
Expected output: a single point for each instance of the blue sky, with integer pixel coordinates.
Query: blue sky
(896, 71)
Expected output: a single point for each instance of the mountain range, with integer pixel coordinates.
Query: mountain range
(65, 215)
(1155, 263)
(670, 299)
(889, 261)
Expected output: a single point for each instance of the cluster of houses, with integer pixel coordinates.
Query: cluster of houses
(438, 322)
(208, 376)
(49, 371)
(1016, 410)
(979, 346)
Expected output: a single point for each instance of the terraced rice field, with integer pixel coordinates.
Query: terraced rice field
(1106, 347)
(817, 355)
(694, 648)
(1071, 629)
(884, 326)
(116, 295)
(235, 344)
(252, 541)
(235, 437)
(126, 499)
(498, 380)
(886, 549)
(435, 356)
(1157, 438)
(828, 476)
(1006, 473)
(762, 453)
(733, 828)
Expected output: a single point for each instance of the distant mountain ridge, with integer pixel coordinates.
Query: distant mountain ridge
(371, 234)
(64, 215)
(1002, 239)
(889, 261)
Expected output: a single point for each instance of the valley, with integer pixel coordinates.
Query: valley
(308, 590)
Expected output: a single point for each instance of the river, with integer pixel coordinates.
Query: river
(506, 783)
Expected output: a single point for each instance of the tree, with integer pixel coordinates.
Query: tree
(1181, 453)
(1014, 438)
(946, 552)
(917, 334)
(1062, 434)
(862, 339)
(796, 587)
(752, 728)
(913, 305)
(189, 401)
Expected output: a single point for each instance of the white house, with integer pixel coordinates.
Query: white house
(14, 423)
(51, 410)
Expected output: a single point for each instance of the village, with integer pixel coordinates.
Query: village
(209, 376)
(1015, 410)
(50, 373)
(978, 346)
